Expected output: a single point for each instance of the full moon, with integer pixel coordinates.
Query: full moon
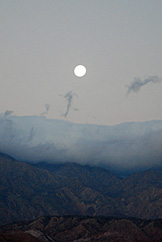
(80, 70)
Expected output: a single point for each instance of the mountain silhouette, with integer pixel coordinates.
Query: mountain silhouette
(29, 191)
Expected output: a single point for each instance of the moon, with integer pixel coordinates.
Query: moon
(80, 70)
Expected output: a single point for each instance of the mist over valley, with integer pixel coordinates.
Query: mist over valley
(126, 147)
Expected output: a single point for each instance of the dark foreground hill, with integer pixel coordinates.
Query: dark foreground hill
(78, 228)
(29, 191)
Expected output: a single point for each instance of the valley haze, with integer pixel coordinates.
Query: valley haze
(122, 148)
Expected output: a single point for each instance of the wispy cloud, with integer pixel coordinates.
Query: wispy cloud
(8, 113)
(68, 97)
(137, 84)
(47, 107)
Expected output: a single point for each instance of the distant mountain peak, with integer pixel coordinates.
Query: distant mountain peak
(3, 155)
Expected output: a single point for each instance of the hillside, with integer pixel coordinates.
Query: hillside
(78, 228)
(141, 195)
(29, 191)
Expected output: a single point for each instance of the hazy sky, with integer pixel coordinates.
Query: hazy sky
(119, 42)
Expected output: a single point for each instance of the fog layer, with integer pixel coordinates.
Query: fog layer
(127, 146)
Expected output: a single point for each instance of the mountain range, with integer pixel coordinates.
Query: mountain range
(29, 191)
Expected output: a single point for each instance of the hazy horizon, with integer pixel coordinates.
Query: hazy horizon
(129, 147)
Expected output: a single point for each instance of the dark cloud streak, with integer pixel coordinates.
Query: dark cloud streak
(68, 97)
(8, 113)
(47, 107)
(137, 84)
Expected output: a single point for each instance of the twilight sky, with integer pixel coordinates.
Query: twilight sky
(119, 42)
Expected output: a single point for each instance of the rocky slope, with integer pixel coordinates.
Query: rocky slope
(77, 228)
(29, 191)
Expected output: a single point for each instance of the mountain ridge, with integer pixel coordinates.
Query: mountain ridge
(28, 191)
